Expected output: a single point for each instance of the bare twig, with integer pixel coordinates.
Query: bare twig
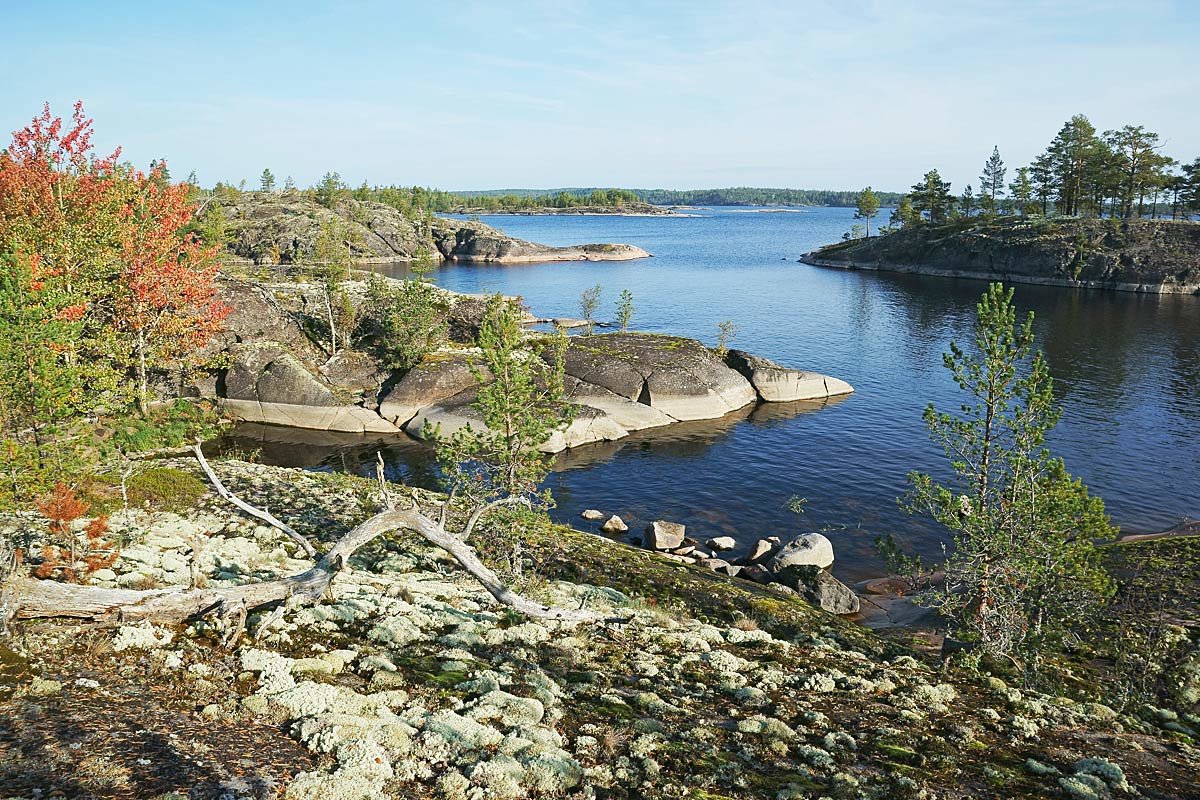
(478, 514)
(265, 516)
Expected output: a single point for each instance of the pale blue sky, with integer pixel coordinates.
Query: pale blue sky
(573, 93)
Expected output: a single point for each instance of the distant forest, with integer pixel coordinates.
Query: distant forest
(752, 196)
(418, 200)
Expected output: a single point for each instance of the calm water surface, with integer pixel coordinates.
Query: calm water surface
(1127, 372)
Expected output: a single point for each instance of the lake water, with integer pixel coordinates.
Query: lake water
(1127, 372)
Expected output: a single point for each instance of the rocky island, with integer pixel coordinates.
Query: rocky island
(282, 228)
(1154, 256)
(631, 209)
(272, 370)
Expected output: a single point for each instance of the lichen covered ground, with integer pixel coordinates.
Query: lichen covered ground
(409, 681)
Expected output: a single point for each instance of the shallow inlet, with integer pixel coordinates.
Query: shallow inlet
(1127, 371)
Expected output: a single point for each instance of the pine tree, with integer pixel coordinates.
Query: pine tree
(1021, 190)
(1023, 569)
(867, 207)
(1045, 184)
(1074, 150)
(966, 203)
(991, 182)
(330, 189)
(268, 180)
(932, 196)
(904, 215)
(522, 402)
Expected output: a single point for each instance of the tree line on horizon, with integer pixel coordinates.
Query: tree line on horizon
(1120, 173)
(418, 201)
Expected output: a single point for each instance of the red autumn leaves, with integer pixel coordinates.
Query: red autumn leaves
(105, 248)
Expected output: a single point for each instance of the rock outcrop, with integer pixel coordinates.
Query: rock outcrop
(269, 228)
(427, 383)
(778, 384)
(459, 240)
(1155, 256)
(679, 377)
(275, 369)
(806, 550)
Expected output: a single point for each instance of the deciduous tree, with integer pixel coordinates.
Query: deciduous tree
(166, 305)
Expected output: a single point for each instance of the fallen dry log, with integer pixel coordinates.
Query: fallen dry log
(28, 598)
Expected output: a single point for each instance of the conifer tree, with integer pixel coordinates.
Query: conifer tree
(867, 207)
(1021, 191)
(932, 196)
(1023, 569)
(267, 180)
(522, 401)
(991, 182)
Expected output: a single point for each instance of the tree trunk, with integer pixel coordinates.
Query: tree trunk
(332, 326)
(142, 380)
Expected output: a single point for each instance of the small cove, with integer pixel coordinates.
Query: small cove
(1127, 371)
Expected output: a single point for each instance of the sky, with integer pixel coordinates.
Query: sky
(513, 93)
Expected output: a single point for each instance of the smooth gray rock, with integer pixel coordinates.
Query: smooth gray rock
(629, 414)
(663, 535)
(424, 385)
(808, 549)
(721, 543)
(678, 377)
(715, 564)
(826, 591)
(776, 383)
(265, 372)
(456, 412)
(344, 419)
(592, 514)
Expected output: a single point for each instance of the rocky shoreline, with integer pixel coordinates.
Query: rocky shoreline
(1144, 256)
(407, 680)
(269, 228)
(274, 373)
(813, 259)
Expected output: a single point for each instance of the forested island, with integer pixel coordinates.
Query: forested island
(1103, 210)
(417, 200)
(182, 621)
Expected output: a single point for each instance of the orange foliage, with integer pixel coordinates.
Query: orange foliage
(63, 556)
